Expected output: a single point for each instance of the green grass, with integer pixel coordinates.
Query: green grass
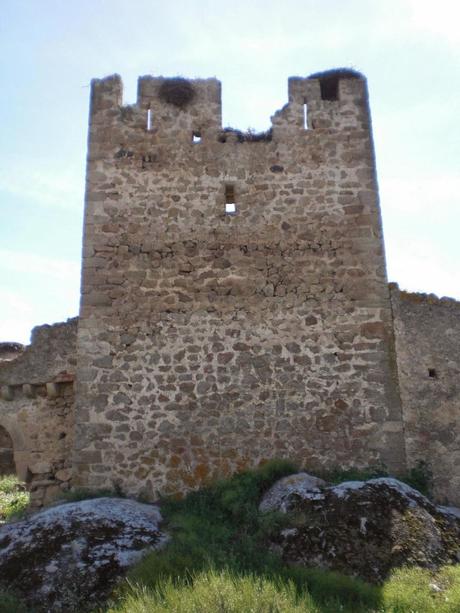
(419, 476)
(14, 499)
(220, 546)
(218, 562)
(211, 591)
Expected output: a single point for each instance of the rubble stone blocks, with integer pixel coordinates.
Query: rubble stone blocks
(209, 342)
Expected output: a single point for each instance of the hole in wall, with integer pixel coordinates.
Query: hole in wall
(432, 373)
(230, 204)
(305, 116)
(196, 138)
(329, 88)
(149, 120)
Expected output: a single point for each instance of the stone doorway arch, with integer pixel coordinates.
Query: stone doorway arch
(7, 463)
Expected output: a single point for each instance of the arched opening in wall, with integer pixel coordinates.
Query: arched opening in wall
(7, 464)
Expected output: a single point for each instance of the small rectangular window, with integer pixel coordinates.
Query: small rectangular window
(432, 373)
(196, 138)
(149, 119)
(230, 205)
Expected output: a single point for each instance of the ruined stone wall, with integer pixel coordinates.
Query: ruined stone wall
(427, 331)
(208, 341)
(37, 409)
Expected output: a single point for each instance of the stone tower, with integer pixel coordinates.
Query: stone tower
(235, 306)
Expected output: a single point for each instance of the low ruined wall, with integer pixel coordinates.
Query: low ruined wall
(427, 335)
(36, 409)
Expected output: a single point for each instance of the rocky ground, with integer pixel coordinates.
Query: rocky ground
(363, 528)
(68, 558)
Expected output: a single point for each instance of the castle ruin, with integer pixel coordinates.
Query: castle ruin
(234, 307)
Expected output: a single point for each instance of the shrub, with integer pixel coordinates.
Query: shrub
(420, 477)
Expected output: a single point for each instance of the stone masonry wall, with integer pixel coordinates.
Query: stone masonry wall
(208, 341)
(37, 409)
(427, 331)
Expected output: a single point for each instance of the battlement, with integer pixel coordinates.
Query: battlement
(51, 353)
(178, 110)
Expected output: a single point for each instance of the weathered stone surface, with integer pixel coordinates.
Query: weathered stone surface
(70, 556)
(240, 332)
(279, 496)
(366, 528)
(40, 424)
(427, 334)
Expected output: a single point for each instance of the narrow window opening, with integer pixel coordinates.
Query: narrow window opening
(196, 138)
(230, 205)
(305, 116)
(329, 88)
(149, 119)
(432, 373)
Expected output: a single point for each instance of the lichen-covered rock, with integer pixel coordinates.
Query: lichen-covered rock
(284, 491)
(367, 528)
(68, 557)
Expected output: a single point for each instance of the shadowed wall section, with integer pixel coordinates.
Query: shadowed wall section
(37, 409)
(7, 464)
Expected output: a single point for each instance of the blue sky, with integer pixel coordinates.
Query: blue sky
(50, 50)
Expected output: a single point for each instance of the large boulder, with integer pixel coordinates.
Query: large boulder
(365, 528)
(280, 496)
(67, 558)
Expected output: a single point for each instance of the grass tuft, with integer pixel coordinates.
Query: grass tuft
(218, 591)
(14, 499)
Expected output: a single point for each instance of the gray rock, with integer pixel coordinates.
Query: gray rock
(68, 558)
(284, 491)
(454, 511)
(366, 528)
